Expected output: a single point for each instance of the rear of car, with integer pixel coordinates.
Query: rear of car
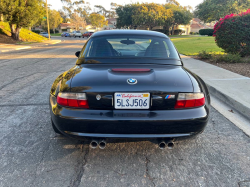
(129, 84)
(44, 34)
(78, 34)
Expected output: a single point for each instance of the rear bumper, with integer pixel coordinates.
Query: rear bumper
(128, 123)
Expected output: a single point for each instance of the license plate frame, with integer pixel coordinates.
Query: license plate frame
(142, 102)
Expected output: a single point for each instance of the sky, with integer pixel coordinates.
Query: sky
(56, 4)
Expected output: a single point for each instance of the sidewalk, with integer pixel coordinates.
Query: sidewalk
(231, 88)
(13, 47)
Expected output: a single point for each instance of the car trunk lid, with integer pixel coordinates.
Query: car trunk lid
(105, 80)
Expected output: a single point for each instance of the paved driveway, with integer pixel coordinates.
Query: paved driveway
(33, 155)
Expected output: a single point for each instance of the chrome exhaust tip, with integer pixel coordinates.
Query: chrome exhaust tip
(102, 144)
(93, 144)
(162, 145)
(170, 145)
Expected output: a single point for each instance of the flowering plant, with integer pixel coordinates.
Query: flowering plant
(232, 33)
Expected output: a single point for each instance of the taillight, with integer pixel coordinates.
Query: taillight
(73, 100)
(190, 100)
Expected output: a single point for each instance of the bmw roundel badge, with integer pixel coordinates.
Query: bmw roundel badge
(132, 81)
(98, 97)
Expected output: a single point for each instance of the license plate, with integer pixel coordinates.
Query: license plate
(132, 100)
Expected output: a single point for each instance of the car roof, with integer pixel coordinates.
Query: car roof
(127, 32)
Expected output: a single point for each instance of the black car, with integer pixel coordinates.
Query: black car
(129, 84)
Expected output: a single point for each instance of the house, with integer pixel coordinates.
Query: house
(66, 27)
(196, 24)
(111, 24)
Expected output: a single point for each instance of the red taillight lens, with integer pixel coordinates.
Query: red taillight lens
(73, 100)
(190, 100)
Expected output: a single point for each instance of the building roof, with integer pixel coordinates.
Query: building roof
(196, 26)
(67, 25)
(128, 32)
(197, 20)
(111, 19)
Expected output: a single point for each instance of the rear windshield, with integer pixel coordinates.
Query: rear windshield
(130, 46)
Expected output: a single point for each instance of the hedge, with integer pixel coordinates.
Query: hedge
(232, 33)
(208, 32)
(36, 31)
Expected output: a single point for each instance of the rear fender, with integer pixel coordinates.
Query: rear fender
(63, 82)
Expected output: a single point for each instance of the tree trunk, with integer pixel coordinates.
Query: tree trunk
(1, 17)
(166, 30)
(15, 31)
(54, 30)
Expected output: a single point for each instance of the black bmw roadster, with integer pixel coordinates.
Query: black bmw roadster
(129, 84)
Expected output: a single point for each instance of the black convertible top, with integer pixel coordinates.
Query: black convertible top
(126, 32)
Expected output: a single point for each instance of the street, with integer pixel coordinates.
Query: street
(33, 155)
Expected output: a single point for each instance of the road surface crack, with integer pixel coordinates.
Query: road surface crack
(82, 161)
(147, 171)
(14, 80)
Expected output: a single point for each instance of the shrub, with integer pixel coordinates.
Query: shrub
(204, 55)
(208, 32)
(232, 33)
(178, 32)
(229, 58)
(218, 57)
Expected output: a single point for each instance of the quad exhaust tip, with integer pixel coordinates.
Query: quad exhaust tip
(94, 143)
(163, 144)
(102, 144)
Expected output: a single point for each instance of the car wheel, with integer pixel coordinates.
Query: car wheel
(55, 128)
(79, 36)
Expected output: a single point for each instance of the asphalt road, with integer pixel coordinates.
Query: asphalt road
(31, 154)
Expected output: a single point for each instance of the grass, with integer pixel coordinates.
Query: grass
(56, 34)
(193, 45)
(183, 36)
(24, 35)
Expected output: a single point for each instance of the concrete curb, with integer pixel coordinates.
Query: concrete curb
(240, 107)
(29, 46)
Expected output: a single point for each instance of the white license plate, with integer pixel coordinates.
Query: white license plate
(132, 100)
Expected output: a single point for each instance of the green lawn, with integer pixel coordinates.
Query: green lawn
(56, 34)
(192, 45)
(184, 36)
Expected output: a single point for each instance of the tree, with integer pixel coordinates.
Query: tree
(76, 7)
(151, 15)
(213, 10)
(54, 19)
(97, 20)
(78, 21)
(124, 14)
(181, 14)
(21, 13)
(107, 13)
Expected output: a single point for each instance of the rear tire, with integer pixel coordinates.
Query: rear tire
(55, 128)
